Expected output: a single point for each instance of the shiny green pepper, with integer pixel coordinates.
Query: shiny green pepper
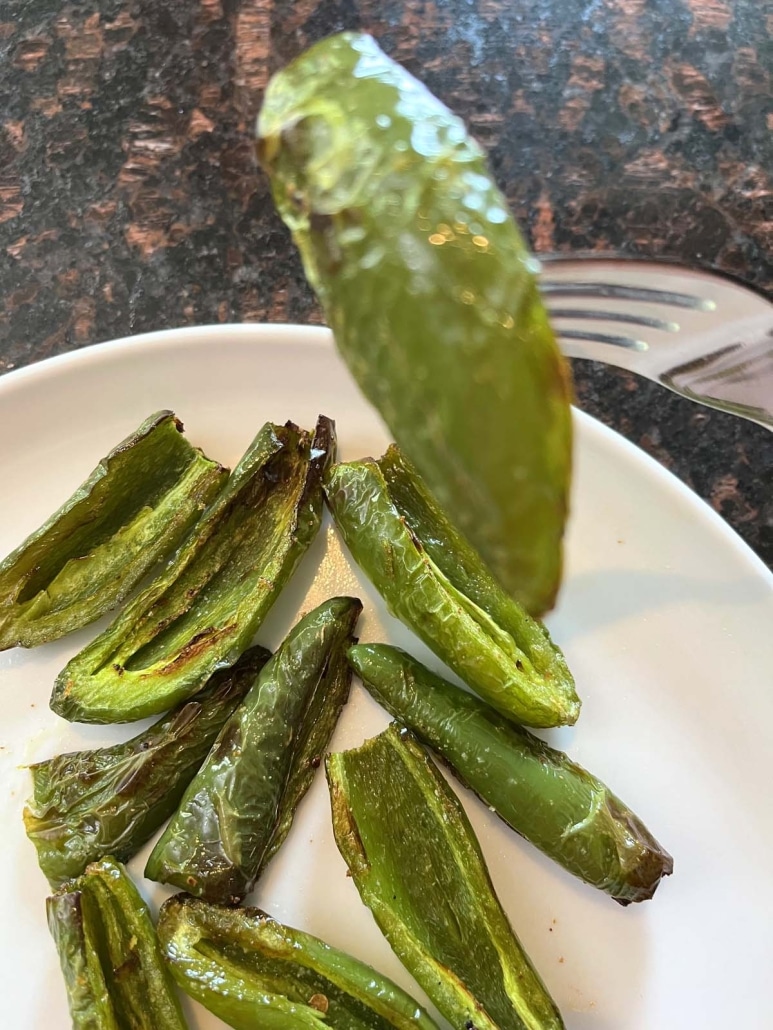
(435, 582)
(431, 294)
(205, 608)
(112, 965)
(418, 866)
(252, 971)
(546, 797)
(132, 511)
(239, 807)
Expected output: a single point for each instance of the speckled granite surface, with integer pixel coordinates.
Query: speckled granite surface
(129, 200)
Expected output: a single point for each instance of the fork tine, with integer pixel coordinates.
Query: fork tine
(614, 316)
(627, 342)
(616, 291)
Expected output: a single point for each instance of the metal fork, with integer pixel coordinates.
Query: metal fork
(702, 335)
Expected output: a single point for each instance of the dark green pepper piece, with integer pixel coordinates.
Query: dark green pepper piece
(250, 971)
(132, 511)
(88, 804)
(431, 294)
(112, 964)
(204, 610)
(433, 580)
(238, 809)
(419, 868)
(543, 795)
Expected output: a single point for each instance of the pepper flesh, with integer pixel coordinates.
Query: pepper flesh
(538, 791)
(419, 868)
(437, 585)
(132, 511)
(239, 807)
(431, 294)
(203, 611)
(110, 801)
(250, 970)
(112, 964)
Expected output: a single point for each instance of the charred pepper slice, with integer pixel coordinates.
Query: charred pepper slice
(431, 294)
(238, 809)
(203, 611)
(250, 970)
(543, 795)
(112, 964)
(419, 868)
(133, 510)
(433, 580)
(110, 801)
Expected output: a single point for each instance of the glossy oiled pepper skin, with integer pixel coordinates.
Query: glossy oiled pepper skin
(238, 809)
(419, 868)
(543, 795)
(204, 610)
(431, 294)
(132, 511)
(252, 971)
(433, 580)
(113, 969)
(110, 801)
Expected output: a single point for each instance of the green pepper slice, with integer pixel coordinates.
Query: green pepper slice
(250, 970)
(419, 868)
(239, 807)
(110, 801)
(112, 964)
(202, 613)
(132, 511)
(431, 294)
(541, 793)
(433, 580)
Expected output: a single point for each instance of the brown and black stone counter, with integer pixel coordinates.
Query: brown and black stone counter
(129, 199)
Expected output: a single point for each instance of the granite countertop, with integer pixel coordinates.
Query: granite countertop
(129, 198)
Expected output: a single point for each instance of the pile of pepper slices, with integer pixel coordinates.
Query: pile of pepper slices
(244, 732)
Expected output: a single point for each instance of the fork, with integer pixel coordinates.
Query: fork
(702, 335)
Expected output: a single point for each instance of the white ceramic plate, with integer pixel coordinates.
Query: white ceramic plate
(665, 617)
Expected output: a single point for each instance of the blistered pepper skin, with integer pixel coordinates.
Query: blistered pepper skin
(88, 804)
(238, 809)
(434, 581)
(250, 970)
(431, 294)
(132, 511)
(111, 961)
(202, 613)
(550, 800)
(418, 866)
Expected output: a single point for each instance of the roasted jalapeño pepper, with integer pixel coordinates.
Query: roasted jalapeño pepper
(418, 866)
(239, 807)
(203, 611)
(250, 971)
(132, 511)
(546, 797)
(431, 294)
(113, 969)
(437, 584)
